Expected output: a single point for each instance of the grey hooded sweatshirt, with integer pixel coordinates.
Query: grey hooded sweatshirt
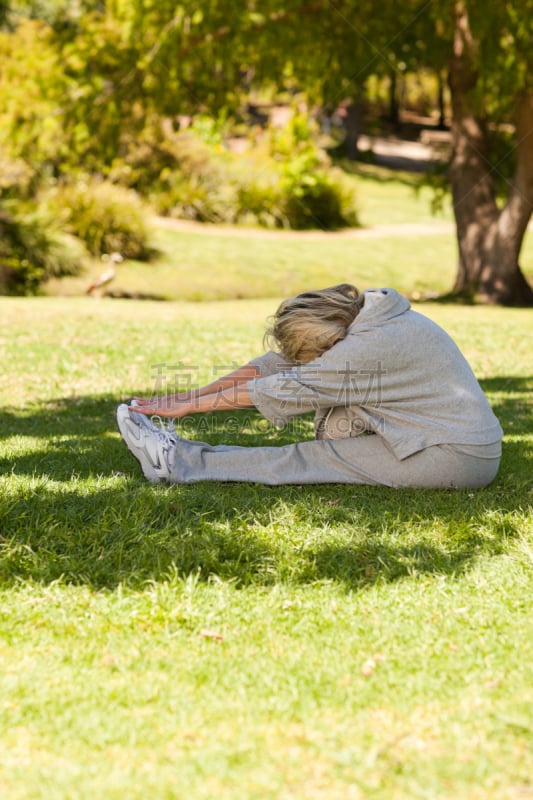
(397, 372)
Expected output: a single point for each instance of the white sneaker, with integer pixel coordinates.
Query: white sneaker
(150, 446)
(154, 422)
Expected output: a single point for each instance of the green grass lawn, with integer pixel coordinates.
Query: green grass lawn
(240, 641)
(263, 267)
(386, 196)
(198, 266)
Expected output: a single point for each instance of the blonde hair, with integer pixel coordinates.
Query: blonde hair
(307, 325)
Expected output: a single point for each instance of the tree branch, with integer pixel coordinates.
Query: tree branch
(225, 30)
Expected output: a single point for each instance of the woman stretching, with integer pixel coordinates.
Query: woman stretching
(396, 404)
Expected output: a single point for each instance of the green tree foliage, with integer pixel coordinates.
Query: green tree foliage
(487, 50)
(32, 91)
(96, 74)
(83, 83)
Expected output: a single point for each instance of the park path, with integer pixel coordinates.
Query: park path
(373, 232)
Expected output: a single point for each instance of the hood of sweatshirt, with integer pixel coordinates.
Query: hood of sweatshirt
(381, 305)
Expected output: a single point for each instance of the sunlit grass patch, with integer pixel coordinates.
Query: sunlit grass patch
(241, 641)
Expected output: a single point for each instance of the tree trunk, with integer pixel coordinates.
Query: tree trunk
(489, 239)
(353, 125)
(394, 105)
(440, 101)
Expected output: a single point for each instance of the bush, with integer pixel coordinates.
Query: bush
(33, 249)
(107, 218)
(259, 199)
(207, 196)
(314, 196)
(316, 200)
(257, 189)
(284, 180)
(180, 175)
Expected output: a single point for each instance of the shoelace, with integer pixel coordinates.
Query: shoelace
(162, 425)
(165, 428)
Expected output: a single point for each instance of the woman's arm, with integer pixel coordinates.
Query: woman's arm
(224, 394)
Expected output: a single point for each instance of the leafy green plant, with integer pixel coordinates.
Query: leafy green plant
(210, 129)
(262, 187)
(317, 198)
(177, 172)
(199, 186)
(282, 180)
(33, 249)
(296, 139)
(260, 200)
(107, 218)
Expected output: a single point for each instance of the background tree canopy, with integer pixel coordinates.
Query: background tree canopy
(100, 89)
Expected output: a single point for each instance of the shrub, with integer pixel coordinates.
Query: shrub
(295, 140)
(260, 199)
(107, 218)
(33, 249)
(181, 176)
(317, 199)
(208, 196)
(254, 188)
(283, 180)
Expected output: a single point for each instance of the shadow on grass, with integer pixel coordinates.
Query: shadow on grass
(74, 506)
(368, 169)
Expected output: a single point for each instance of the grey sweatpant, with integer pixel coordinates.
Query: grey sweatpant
(357, 460)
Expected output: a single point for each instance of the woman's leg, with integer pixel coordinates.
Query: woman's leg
(358, 460)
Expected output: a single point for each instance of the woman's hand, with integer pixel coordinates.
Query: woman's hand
(235, 397)
(226, 393)
(166, 406)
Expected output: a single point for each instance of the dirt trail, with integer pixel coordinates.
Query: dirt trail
(377, 231)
